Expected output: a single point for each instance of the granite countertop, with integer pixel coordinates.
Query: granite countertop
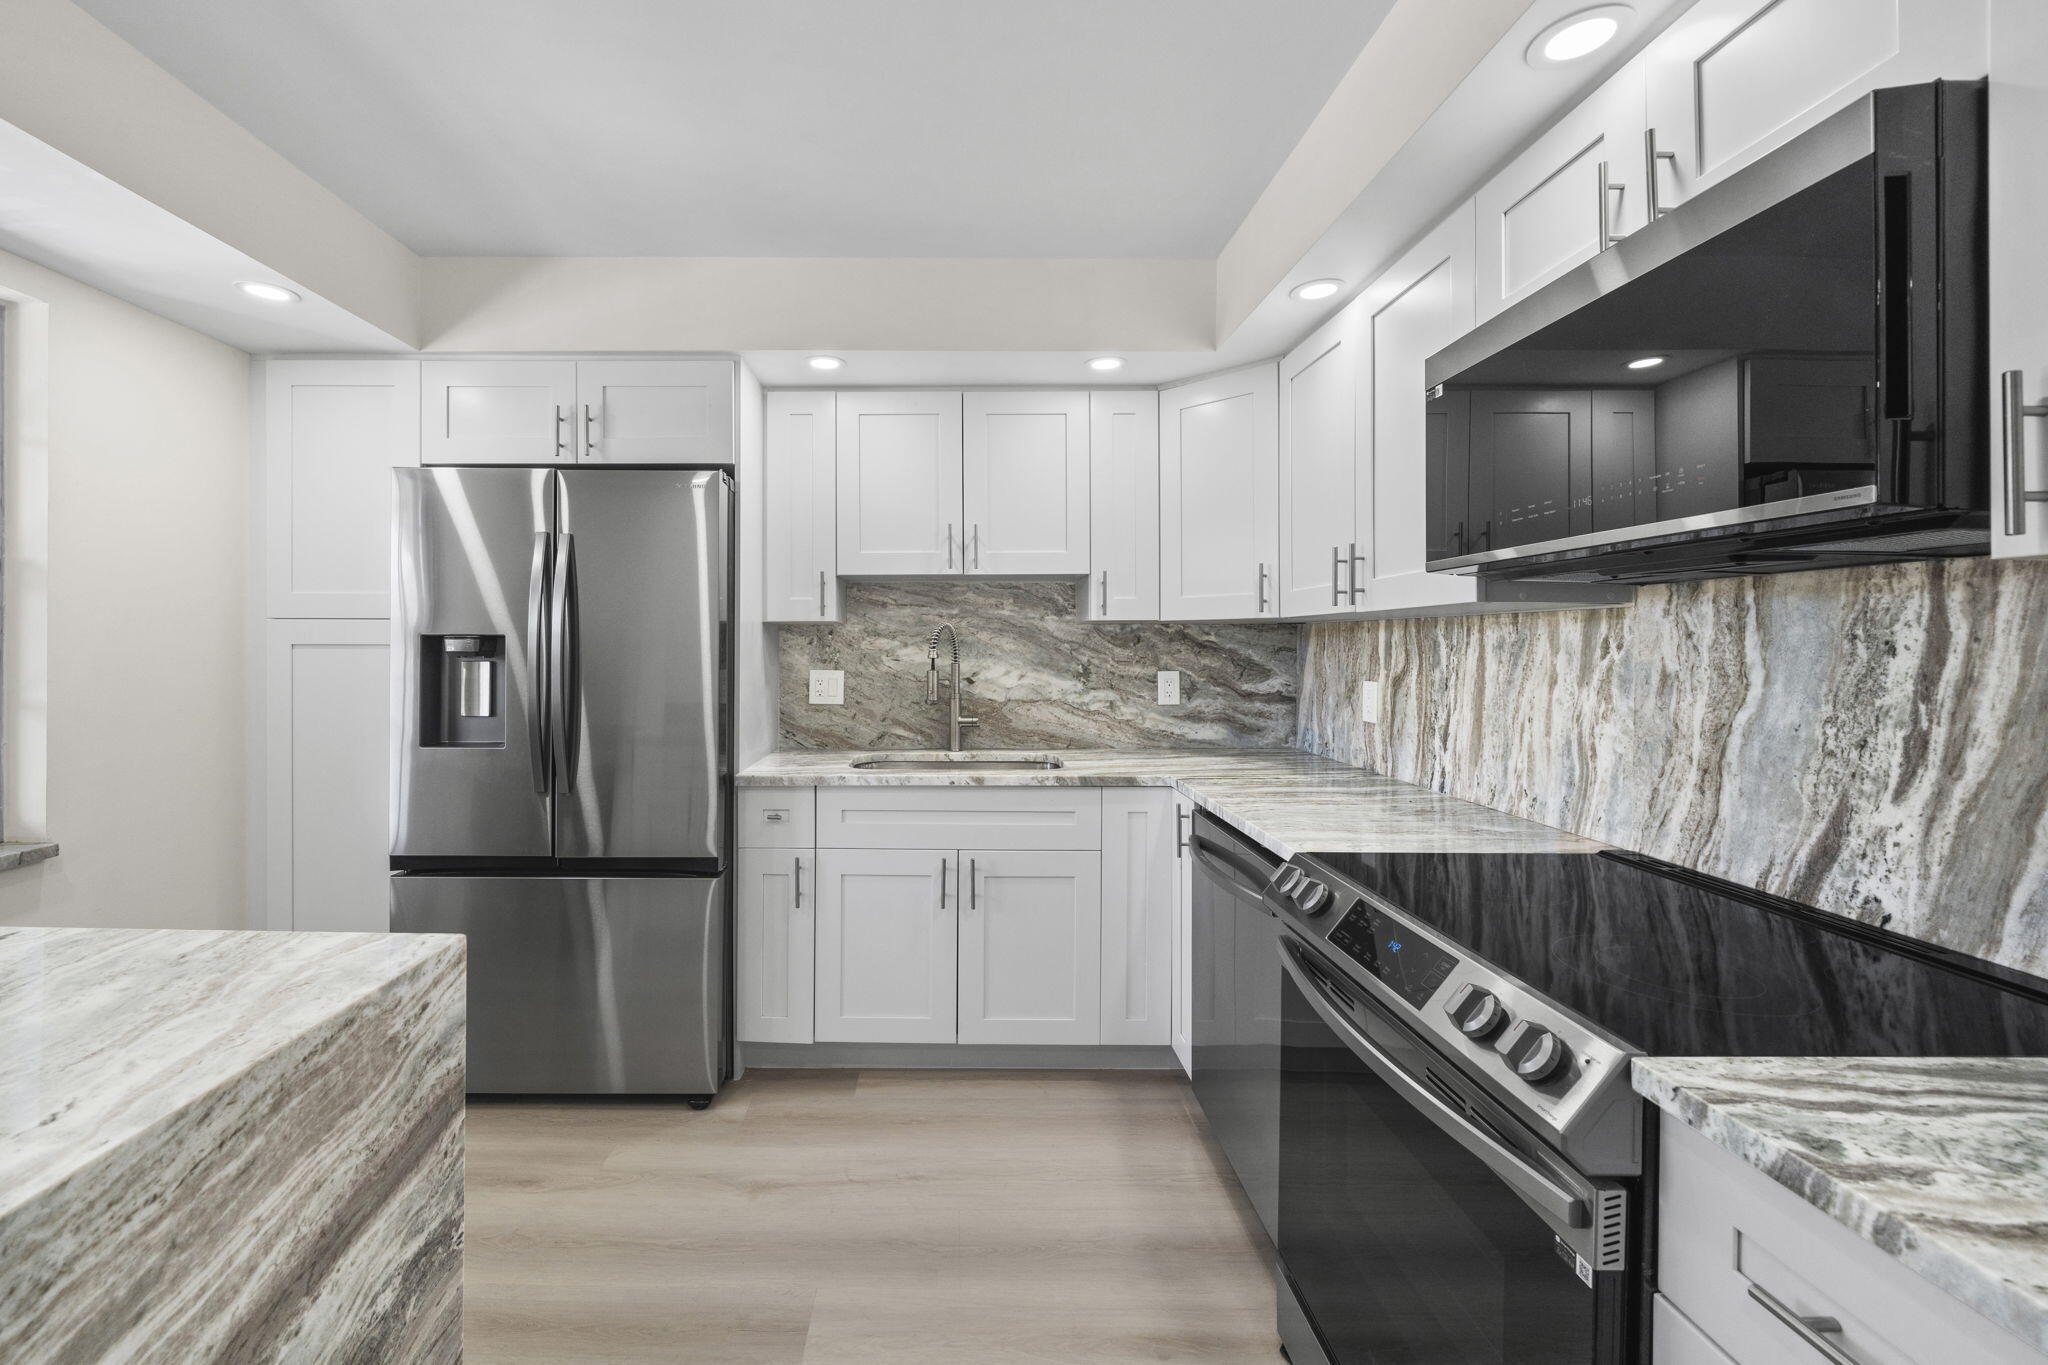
(1290, 801)
(1941, 1162)
(107, 1034)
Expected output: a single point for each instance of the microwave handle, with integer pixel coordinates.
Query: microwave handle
(1556, 1204)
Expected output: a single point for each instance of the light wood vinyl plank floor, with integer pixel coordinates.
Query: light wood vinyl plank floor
(838, 1217)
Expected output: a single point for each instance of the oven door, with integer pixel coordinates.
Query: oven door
(1419, 1223)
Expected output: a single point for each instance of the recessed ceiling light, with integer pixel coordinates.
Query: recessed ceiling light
(1315, 289)
(1648, 362)
(1106, 362)
(269, 293)
(826, 362)
(1577, 35)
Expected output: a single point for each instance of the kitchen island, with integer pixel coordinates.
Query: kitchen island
(220, 1145)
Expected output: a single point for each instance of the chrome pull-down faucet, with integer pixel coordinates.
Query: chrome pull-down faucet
(955, 722)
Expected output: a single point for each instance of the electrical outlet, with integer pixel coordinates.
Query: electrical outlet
(828, 687)
(1169, 687)
(1369, 702)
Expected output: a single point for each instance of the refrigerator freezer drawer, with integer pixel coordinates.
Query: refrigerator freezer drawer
(584, 986)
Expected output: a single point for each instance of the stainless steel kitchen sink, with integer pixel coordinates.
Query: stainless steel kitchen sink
(955, 765)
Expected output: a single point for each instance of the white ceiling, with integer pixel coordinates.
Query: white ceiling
(889, 128)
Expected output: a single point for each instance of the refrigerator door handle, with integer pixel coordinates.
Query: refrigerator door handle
(539, 751)
(565, 674)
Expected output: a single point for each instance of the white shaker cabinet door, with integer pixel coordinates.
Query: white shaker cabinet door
(2019, 302)
(327, 798)
(655, 411)
(899, 483)
(1030, 946)
(773, 957)
(1137, 915)
(1219, 487)
(497, 411)
(887, 945)
(1324, 484)
(1123, 507)
(1572, 194)
(800, 570)
(333, 430)
(1024, 482)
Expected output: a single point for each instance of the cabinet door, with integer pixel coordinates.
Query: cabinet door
(333, 430)
(1030, 946)
(655, 411)
(1137, 915)
(1024, 482)
(497, 411)
(2019, 305)
(327, 775)
(899, 483)
(1546, 212)
(1321, 473)
(800, 573)
(1219, 486)
(1421, 304)
(1732, 79)
(772, 963)
(1123, 507)
(887, 946)
(1183, 935)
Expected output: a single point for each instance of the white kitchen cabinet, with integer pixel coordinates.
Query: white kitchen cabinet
(1030, 946)
(887, 946)
(1183, 935)
(1219, 486)
(498, 412)
(333, 430)
(776, 896)
(1137, 915)
(655, 411)
(2019, 302)
(1325, 485)
(898, 483)
(1732, 79)
(1676, 1340)
(327, 775)
(1024, 482)
(1575, 191)
(800, 569)
(1123, 507)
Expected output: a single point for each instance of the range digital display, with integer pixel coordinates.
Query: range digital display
(1412, 965)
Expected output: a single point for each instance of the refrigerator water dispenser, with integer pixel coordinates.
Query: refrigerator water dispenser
(462, 692)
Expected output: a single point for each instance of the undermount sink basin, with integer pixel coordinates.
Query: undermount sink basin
(963, 764)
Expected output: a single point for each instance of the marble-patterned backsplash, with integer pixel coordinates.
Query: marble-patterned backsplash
(1036, 676)
(1872, 741)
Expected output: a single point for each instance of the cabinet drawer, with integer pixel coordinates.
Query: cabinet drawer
(1675, 1341)
(778, 817)
(959, 817)
(1725, 1227)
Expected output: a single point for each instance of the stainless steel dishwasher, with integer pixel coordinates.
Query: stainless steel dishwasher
(1236, 1017)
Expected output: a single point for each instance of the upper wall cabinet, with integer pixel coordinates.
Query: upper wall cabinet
(1219, 479)
(1732, 79)
(1024, 465)
(1325, 480)
(899, 483)
(800, 571)
(2019, 306)
(1123, 507)
(333, 430)
(561, 411)
(1566, 199)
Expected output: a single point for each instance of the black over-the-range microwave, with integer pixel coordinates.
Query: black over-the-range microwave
(1787, 371)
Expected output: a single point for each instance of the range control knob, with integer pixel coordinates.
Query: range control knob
(1476, 1012)
(1312, 899)
(1535, 1053)
(1288, 880)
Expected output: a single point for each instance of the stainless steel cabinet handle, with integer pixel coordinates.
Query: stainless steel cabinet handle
(1105, 592)
(1262, 585)
(589, 441)
(821, 592)
(1812, 1330)
(977, 544)
(1608, 189)
(797, 863)
(2012, 389)
(973, 886)
(1357, 577)
(1180, 840)
(537, 729)
(561, 430)
(1336, 590)
(949, 544)
(1651, 156)
(942, 883)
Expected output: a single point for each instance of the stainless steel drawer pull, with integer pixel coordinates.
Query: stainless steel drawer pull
(1336, 588)
(798, 864)
(561, 430)
(1812, 1330)
(973, 885)
(1262, 586)
(589, 441)
(821, 592)
(976, 541)
(942, 883)
(2012, 389)
(1105, 592)
(1357, 578)
(949, 544)
(1180, 840)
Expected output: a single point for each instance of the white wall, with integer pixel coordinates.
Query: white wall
(142, 436)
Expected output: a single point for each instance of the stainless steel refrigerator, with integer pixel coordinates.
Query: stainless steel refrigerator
(560, 781)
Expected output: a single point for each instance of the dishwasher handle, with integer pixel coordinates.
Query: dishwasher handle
(1231, 870)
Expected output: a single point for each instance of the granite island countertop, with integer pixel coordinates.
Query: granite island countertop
(1941, 1162)
(1289, 800)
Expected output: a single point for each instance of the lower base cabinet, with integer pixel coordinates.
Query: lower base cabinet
(775, 947)
(887, 947)
(1030, 947)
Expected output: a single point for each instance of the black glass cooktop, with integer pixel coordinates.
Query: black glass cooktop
(1675, 964)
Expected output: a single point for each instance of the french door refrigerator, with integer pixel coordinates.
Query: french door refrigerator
(560, 783)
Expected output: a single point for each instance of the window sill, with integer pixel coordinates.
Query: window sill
(21, 855)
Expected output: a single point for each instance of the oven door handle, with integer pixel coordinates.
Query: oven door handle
(1230, 871)
(1557, 1204)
